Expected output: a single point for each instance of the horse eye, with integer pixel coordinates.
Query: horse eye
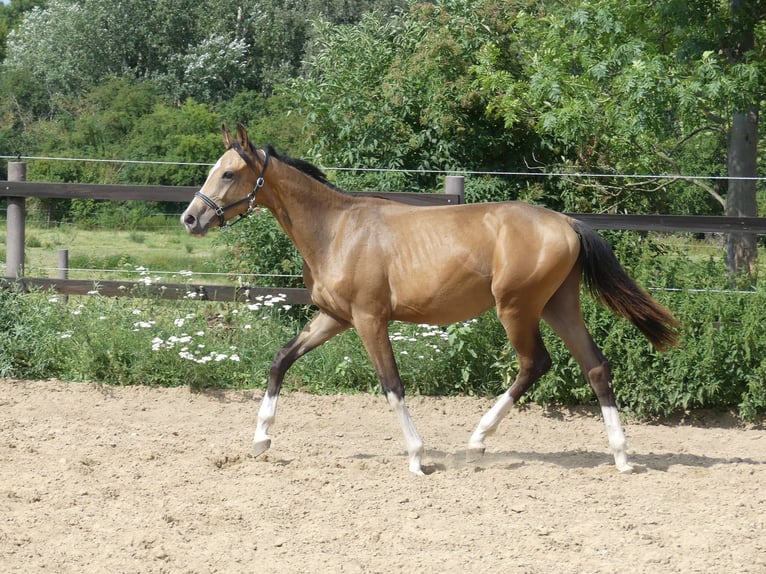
(228, 175)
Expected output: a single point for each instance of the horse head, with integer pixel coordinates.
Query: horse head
(230, 188)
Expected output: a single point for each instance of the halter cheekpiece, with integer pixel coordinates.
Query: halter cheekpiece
(219, 210)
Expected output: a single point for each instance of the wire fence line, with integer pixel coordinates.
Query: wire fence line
(188, 275)
(182, 272)
(242, 276)
(576, 174)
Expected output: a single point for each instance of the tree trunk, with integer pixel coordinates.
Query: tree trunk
(741, 251)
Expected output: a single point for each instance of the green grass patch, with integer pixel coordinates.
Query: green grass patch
(102, 251)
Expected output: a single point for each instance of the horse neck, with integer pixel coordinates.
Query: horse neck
(306, 209)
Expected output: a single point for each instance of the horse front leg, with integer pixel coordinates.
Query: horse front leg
(320, 329)
(374, 335)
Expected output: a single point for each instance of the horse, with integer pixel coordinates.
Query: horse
(369, 261)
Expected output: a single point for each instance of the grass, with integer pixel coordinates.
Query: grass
(169, 249)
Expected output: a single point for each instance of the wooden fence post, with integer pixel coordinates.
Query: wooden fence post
(455, 185)
(63, 267)
(14, 254)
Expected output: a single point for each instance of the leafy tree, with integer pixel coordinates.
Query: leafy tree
(273, 119)
(626, 87)
(396, 92)
(745, 55)
(11, 14)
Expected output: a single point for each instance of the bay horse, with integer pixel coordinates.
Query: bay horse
(369, 261)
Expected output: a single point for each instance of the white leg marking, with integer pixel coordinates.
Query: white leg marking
(266, 415)
(490, 420)
(411, 437)
(616, 437)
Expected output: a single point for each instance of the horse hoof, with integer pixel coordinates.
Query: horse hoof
(474, 453)
(261, 446)
(625, 469)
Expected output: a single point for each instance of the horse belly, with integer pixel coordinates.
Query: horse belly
(440, 274)
(441, 302)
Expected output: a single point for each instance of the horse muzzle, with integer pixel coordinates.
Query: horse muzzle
(194, 224)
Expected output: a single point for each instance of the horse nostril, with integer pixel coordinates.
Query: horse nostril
(190, 220)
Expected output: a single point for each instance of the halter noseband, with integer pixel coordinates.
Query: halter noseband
(219, 210)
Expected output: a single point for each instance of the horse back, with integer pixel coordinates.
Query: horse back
(444, 264)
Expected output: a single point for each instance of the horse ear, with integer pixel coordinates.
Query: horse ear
(226, 136)
(244, 141)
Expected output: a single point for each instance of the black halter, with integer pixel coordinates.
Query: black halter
(220, 211)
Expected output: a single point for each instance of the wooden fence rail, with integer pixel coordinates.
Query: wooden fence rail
(171, 291)
(16, 190)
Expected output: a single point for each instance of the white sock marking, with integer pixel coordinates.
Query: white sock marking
(489, 422)
(616, 437)
(411, 437)
(266, 415)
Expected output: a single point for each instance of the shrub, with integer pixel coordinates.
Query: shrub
(259, 246)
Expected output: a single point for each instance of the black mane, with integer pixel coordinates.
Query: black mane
(301, 165)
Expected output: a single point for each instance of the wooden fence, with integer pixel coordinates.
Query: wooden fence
(16, 189)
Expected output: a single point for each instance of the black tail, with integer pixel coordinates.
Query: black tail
(606, 279)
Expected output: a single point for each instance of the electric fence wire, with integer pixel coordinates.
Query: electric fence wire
(420, 171)
(575, 174)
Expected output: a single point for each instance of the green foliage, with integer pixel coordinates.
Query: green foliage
(623, 87)
(138, 341)
(270, 119)
(257, 245)
(600, 86)
(395, 92)
(151, 80)
(28, 347)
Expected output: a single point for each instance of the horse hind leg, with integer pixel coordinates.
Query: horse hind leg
(563, 314)
(534, 362)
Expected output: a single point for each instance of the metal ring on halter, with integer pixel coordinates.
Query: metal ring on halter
(219, 211)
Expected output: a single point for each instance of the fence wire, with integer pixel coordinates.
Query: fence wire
(576, 174)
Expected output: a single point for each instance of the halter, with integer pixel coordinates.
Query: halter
(220, 211)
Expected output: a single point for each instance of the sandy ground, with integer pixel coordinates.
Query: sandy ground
(102, 479)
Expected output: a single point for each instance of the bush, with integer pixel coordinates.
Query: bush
(257, 245)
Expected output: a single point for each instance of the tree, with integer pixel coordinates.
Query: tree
(742, 154)
(622, 86)
(11, 14)
(396, 92)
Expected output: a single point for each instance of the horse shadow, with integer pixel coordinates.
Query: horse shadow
(440, 461)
